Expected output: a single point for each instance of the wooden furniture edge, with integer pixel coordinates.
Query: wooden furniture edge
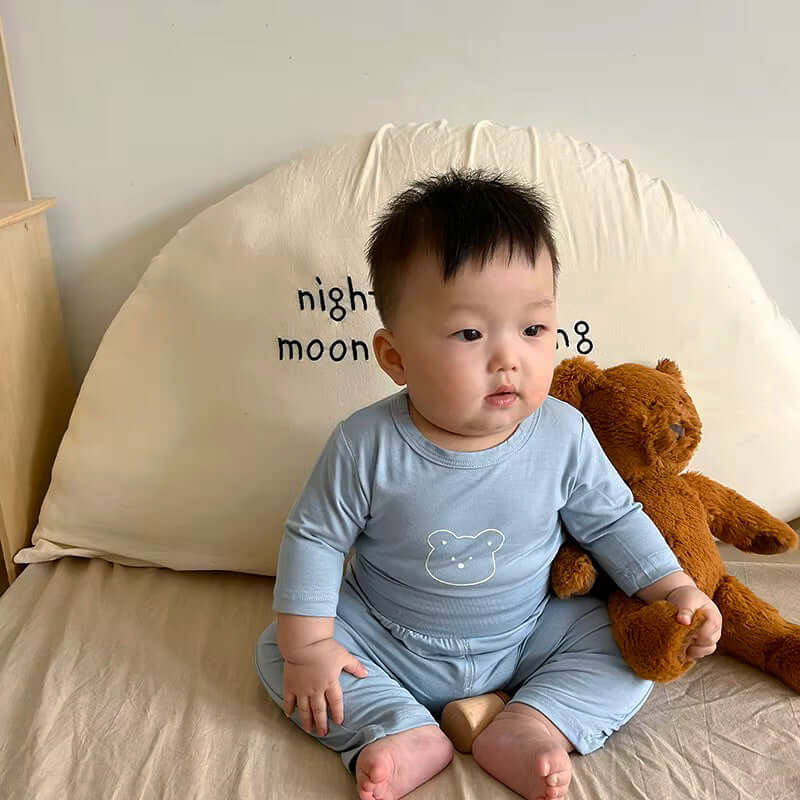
(11, 213)
(36, 384)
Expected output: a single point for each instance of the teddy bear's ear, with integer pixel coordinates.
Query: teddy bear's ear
(670, 368)
(574, 378)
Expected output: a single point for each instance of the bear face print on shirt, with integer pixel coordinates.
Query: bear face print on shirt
(463, 560)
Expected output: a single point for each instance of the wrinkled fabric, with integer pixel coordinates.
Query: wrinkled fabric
(121, 682)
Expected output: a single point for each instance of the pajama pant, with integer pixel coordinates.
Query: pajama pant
(564, 663)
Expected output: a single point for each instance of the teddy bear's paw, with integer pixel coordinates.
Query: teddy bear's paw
(775, 541)
(650, 639)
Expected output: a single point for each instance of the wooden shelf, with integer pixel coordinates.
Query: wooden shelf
(11, 213)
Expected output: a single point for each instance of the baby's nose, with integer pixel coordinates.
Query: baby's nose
(505, 361)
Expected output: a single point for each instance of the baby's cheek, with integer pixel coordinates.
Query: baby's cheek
(537, 397)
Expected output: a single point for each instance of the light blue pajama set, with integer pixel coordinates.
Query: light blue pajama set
(446, 595)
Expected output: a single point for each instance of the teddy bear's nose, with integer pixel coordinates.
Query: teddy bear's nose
(678, 430)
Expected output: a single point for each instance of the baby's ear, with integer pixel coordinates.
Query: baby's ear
(574, 378)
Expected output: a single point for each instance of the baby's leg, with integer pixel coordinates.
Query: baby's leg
(388, 741)
(571, 690)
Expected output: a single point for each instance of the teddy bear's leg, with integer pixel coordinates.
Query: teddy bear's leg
(652, 642)
(755, 632)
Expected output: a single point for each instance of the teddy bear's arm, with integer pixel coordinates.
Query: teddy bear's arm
(572, 571)
(738, 521)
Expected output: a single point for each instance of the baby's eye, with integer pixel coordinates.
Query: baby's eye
(468, 335)
(534, 330)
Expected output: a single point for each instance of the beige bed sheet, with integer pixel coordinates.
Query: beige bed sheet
(123, 682)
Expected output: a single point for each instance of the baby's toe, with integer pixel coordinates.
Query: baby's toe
(559, 788)
(554, 766)
(554, 769)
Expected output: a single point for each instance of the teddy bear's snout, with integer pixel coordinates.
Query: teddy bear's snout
(678, 430)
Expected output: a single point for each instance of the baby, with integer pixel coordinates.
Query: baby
(454, 494)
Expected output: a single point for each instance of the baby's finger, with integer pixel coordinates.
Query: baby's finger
(684, 616)
(707, 634)
(304, 712)
(289, 699)
(700, 652)
(355, 667)
(335, 703)
(319, 708)
(691, 616)
(706, 641)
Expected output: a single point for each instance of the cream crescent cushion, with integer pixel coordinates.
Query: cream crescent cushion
(249, 336)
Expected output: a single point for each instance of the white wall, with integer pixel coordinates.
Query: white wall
(138, 115)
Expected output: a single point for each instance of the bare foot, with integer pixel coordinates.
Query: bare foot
(526, 752)
(393, 766)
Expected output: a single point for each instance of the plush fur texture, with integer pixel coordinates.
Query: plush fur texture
(649, 428)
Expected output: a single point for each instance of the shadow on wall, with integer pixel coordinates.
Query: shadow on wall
(92, 295)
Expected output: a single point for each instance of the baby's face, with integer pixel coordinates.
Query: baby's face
(477, 352)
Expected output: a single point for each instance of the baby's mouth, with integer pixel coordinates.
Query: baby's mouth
(504, 397)
(503, 390)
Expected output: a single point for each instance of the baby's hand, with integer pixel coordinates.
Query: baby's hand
(311, 681)
(689, 599)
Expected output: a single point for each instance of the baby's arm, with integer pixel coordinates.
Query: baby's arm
(313, 660)
(680, 590)
(320, 528)
(602, 515)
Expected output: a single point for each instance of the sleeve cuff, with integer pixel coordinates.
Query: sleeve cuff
(308, 605)
(645, 571)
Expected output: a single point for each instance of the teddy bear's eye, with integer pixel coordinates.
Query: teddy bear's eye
(653, 404)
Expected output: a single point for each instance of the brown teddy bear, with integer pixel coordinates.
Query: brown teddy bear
(649, 429)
